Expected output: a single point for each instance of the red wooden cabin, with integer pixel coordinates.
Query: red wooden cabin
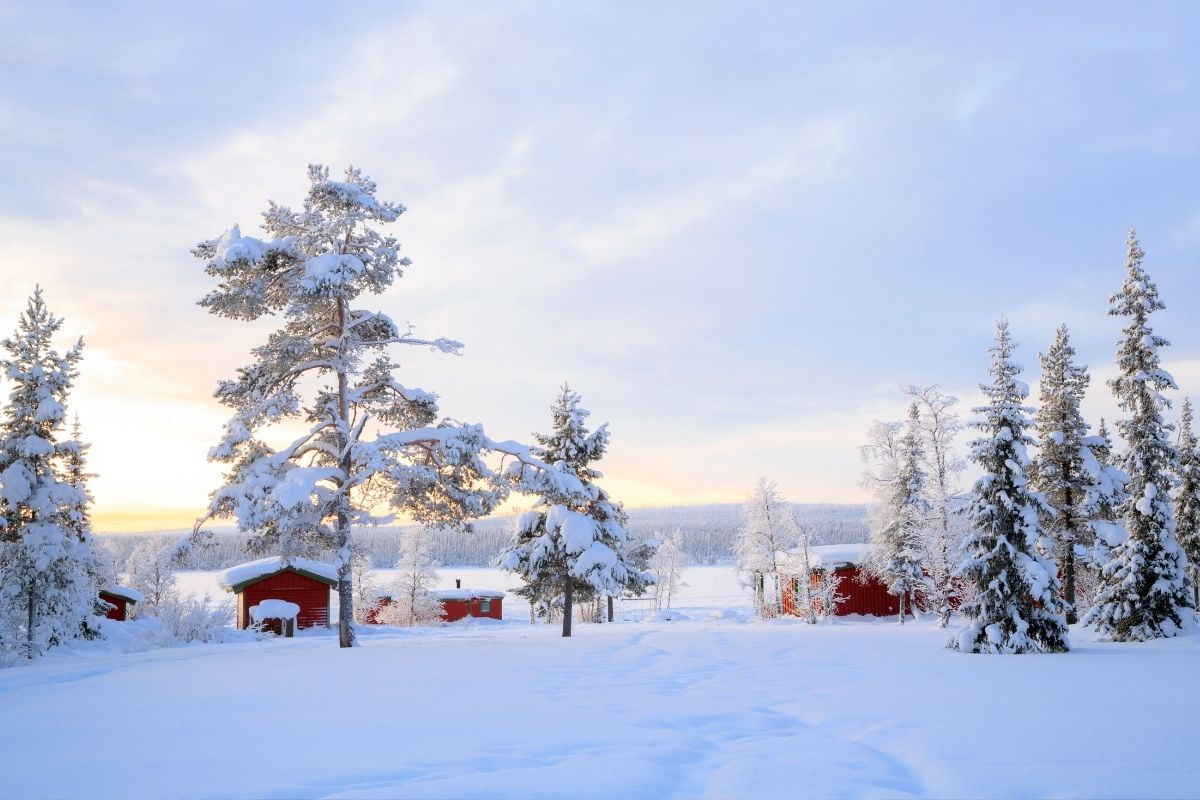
(301, 581)
(461, 603)
(864, 594)
(119, 598)
(456, 604)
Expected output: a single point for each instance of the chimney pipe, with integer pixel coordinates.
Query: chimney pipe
(458, 583)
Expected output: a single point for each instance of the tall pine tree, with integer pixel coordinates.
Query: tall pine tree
(1187, 497)
(369, 444)
(48, 569)
(571, 546)
(1060, 471)
(1017, 607)
(1143, 588)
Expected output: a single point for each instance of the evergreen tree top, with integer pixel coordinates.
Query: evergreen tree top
(1137, 352)
(570, 442)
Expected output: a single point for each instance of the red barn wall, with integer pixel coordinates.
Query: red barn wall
(119, 610)
(495, 611)
(311, 595)
(869, 597)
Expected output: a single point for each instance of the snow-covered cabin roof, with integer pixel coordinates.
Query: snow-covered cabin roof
(825, 556)
(467, 594)
(123, 592)
(238, 577)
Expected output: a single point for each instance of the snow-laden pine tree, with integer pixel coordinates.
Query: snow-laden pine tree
(666, 565)
(353, 437)
(1108, 495)
(416, 577)
(1060, 471)
(98, 566)
(1187, 497)
(1143, 588)
(571, 546)
(897, 543)
(1017, 607)
(943, 532)
(768, 531)
(48, 569)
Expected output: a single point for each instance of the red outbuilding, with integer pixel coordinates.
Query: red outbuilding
(456, 604)
(461, 603)
(118, 599)
(298, 580)
(864, 593)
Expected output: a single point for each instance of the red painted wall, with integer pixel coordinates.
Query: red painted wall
(869, 597)
(452, 610)
(119, 609)
(311, 595)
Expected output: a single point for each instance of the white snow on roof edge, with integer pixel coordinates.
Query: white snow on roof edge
(124, 592)
(239, 574)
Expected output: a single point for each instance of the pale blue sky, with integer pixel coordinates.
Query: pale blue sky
(734, 228)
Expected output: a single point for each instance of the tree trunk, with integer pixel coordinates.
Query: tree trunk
(902, 596)
(1069, 584)
(567, 611)
(1069, 561)
(610, 608)
(345, 578)
(29, 624)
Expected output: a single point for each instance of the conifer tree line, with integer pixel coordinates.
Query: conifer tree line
(1078, 526)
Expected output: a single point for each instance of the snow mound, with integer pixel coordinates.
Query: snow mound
(274, 609)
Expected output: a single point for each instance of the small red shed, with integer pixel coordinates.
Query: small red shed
(461, 603)
(118, 598)
(297, 580)
(864, 593)
(456, 604)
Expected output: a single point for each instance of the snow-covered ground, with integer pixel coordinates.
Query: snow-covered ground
(721, 708)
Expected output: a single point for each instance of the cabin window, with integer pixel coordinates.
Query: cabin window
(485, 606)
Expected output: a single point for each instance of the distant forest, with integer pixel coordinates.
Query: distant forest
(707, 533)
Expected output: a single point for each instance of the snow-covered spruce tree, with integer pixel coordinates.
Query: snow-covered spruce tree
(369, 441)
(1108, 495)
(1060, 471)
(1143, 588)
(1187, 497)
(571, 545)
(99, 567)
(48, 570)
(768, 531)
(897, 543)
(943, 532)
(1018, 607)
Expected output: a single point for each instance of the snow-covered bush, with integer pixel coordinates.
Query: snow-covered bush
(195, 619)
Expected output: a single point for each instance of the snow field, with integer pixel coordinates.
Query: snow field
(715, 709)
(719, 708)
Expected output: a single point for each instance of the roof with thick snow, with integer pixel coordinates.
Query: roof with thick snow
(238, 577)
(124, 592)
(826, 556)
(467, 594)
